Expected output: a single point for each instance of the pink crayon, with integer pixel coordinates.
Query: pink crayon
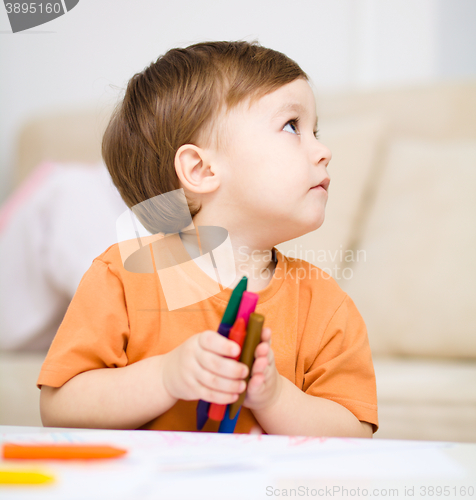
(247, 305)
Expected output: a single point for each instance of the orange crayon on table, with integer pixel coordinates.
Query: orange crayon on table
(55, 451)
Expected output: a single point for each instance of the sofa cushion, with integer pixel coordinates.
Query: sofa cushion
(69, 136)
(426, 399)
(421, 380)
(416, 288)
(60, 219)
(19, 396)
(442, 111)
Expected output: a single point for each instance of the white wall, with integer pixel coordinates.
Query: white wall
(395, 42)
(85, 56)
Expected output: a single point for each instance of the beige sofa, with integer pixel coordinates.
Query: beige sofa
(399, 237)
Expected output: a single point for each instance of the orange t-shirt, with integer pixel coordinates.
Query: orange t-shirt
(118, 317)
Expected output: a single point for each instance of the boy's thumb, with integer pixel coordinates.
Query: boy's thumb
(256, 429)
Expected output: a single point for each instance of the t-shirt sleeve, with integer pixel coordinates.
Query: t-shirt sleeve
(94, 331)
(342, 370)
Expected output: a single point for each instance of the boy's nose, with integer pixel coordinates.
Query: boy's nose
(322, 154)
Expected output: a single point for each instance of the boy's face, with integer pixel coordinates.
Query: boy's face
(271, 164)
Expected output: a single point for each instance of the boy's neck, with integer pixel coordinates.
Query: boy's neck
(260, 271)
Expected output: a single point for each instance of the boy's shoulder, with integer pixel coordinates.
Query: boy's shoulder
(319, 291)
(311, 277)
(112, 258)
(110, 255)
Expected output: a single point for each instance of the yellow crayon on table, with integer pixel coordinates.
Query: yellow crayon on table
(24, 477)
(253, 338)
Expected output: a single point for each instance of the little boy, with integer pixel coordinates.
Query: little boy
(233, 124)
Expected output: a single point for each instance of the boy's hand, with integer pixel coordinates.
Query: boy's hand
(264, 385)
(201, 368)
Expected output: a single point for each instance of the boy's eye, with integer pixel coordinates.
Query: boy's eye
(293, 125)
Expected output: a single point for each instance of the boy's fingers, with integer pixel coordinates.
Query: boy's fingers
(270, 356)
(266, 335)
(262, 349)
(221, 365)
(255, 381)
(259, 366)
(220, 381)
(217, 397)
(263, 359)
(218, 344)
(216, 383)
(251, 386)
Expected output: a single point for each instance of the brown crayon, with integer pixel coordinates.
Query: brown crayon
(253, 338)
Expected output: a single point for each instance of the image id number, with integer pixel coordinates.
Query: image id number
(32, 8)
(456, 491)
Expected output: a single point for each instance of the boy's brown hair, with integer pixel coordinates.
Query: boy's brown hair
(177, 100)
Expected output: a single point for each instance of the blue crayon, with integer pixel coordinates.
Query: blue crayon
(203, 406)
(228, 424)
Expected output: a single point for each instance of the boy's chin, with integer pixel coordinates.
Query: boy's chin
(310, 227)
(317, 223)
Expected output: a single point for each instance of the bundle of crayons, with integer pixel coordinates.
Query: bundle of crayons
(241, 324)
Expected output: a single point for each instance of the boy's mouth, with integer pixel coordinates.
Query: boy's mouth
(324, 184)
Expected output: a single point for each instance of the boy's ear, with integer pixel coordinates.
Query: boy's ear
(194, 170)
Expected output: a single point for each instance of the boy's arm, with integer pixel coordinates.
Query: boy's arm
(127, 397)
(112, 398)
(294, 412)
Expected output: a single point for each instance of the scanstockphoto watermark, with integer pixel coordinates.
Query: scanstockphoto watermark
(336, 264)
(331, 491)
(420, 491)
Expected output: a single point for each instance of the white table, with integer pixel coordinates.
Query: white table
(194, 465)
